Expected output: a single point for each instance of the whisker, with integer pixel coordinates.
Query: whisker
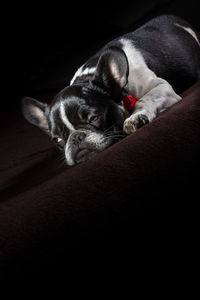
(115, 133)
(110, 127)
(115, 137)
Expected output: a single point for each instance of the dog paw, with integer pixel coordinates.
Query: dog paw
(134, 122)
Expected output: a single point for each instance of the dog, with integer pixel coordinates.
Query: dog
(153, 64)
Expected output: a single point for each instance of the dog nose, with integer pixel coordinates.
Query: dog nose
(77, 137)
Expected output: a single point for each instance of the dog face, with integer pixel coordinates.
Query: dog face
(84, 119)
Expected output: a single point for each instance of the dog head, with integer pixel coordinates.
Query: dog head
(84, 119)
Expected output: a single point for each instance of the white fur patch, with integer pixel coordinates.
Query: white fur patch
(190, 31)
(68, 154)
(65, 119)
(80, 72)
(77, 74)
(141, 79)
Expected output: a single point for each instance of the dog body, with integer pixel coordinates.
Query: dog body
(154, 63)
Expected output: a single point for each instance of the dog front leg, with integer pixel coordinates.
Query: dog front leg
(150, 105)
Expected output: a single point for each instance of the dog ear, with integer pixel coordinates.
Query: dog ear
(35, 113)
(112, 72)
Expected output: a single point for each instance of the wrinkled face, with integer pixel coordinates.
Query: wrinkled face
(82, 124)
(85, 118)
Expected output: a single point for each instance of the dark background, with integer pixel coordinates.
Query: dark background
(43, 45)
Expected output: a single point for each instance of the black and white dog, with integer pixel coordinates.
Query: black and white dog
(154, 64)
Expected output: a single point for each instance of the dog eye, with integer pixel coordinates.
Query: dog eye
(93, 118)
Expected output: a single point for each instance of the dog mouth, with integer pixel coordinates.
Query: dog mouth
(83, 154)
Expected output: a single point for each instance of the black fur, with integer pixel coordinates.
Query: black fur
(168, 50)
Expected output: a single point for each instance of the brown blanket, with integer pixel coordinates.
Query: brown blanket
(48, 208)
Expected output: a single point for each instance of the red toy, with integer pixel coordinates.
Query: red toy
(129, 103)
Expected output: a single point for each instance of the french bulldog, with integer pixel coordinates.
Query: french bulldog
(153, 64)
